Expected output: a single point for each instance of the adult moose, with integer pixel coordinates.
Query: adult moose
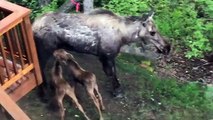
(100, 32)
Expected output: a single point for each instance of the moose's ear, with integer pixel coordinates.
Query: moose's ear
(144, 24)
(146, 16)
(151, 14)
(70, 56)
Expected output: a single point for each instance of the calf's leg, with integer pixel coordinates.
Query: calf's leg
(71, 94)
(99, 97)
(90, 91)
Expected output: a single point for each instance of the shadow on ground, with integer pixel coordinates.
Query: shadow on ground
(139, 103)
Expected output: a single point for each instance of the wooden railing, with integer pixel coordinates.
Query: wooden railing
(12, 107)
(19, 67)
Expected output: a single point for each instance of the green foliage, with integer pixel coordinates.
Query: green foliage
(31, 4)
(100, 3)
(187, 23)
(180, 22)
(50, 7)
(128, 7)
(38, 10)
(168, 96)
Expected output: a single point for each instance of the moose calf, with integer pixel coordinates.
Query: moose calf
(62, 88)
(87, 79)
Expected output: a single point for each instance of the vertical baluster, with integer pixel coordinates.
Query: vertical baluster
(1, 73)
(19, 47)
(10, 45)
(4, 58)
(23, 32)
(1, 15)
(1, 76)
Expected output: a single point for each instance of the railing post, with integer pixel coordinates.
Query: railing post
(31, 43)
(33, 52)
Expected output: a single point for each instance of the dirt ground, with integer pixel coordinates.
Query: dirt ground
(116, 108)
(185, 69)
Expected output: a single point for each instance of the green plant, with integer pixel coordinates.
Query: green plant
(181, 24)
(50, 7)
(167, 97)
(37, 10)
(128, 7)
(31, 4)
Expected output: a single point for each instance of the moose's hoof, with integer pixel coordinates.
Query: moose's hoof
(118, 93)
(103, 108)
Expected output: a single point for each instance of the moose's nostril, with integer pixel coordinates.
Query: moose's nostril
(152, 33)
(167, 49)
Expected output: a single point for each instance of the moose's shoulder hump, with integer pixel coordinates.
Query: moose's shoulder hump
(102, 11)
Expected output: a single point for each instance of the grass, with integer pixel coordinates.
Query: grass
(166, 98)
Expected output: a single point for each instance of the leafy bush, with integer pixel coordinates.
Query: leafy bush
(36, 8)
(177, 19)
(128, 7)
(50, 7)
(180, 21)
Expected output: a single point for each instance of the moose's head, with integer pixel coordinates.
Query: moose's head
(150, 33)
(62, 55)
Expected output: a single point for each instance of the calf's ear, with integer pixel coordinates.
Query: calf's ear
(70, 56)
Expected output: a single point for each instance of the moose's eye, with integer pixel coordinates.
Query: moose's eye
(152, 33)
(144, 24)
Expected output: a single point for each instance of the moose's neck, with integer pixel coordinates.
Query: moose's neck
(57, 72)
(131, 32)
(57, 68)
(75, 68)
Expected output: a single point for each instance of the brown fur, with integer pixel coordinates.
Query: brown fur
(82, 76)
(63, 88)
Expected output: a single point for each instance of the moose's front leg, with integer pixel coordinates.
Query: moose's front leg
(110, 70)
